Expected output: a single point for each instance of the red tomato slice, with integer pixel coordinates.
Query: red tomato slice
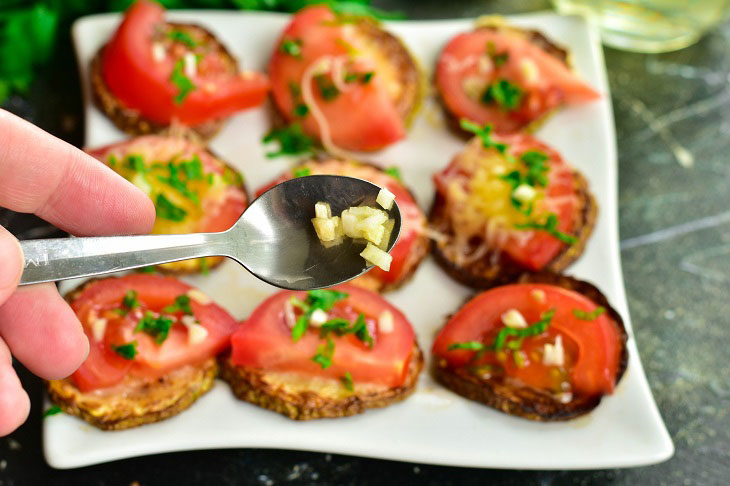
(142, 82)
(264, 341)
(104, 367)
(412, 218)
(362, 117)
(465, 68)
(540, 248)
(592, 347)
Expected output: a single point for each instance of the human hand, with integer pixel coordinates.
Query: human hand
(43, 175)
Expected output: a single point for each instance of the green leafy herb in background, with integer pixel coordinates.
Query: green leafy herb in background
(31, 30)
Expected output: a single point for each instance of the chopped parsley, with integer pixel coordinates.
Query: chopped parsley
(127, 351)
(498, 59)
(324, 355)
(485, 133)
(182, 37)
(112, 160)
(150, 269)
(54, 410)
(291, 139)
(204, 266)
(192, 170)
(301, 110)
(550, 226)
(342, 326)
(363, 78)
(135, 163)
(130, 300)
(316, 299)
(182, 304)
(536, 175)
(500, 341)
(167, 210)
(347, 381)
(157, 327)
(292, 47)
(183, 83)
(505, 94)
(302, 172)
(394, 172)
(469, 345)
(589, 316)
(327, 89)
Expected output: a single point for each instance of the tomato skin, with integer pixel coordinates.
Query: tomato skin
(362, 118)
(264, 341)
(143, 83)
(104, 367)
(540, 248)
(413, 219)
(592, 347)
(555, 85)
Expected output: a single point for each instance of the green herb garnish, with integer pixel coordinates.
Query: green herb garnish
(485, 133)
(182, 303)
(327, 89)
(127, 351)
(302, 172)
(292, 47)
(150, 269)
(316, 299)
(394, 172)
(157, 327)
(184, 84)
(301, 110)
(550, 226)
(135, 163)
(130, 300)
(291, 140)
(342, 326)
(363, 78)
(497, 59)
(54, 410)
(468, 345)
(347, 381)
(204, 266)
(588, 316)
(167, 210)
(182, 37)
(532, 330)
(505, 94)
(324, 354)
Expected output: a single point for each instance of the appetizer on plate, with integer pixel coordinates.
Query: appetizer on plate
(508, 204)
(412, 245)
(546, 349)
(153, 74)
(193, 190)
(506, 76)
(345, 79)
(153, 342)
(323, 353)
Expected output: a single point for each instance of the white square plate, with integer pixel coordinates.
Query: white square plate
(434, 425)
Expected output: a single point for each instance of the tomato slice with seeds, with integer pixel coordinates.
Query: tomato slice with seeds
(533, 249)
(264, 341)
(101, 299)
(592, 347)
(142, 81)
(412, 218)
(356, 115)
(473, 61)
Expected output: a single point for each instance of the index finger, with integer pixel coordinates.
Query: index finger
(44, 175)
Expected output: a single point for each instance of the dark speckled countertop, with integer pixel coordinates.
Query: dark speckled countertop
(673, 125)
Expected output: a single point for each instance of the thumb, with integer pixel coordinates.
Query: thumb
(11, 264)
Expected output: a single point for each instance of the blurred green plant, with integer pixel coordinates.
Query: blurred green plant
(30, 29)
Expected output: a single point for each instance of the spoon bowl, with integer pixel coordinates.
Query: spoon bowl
(274, 239)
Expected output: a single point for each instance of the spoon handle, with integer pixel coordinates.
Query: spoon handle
(63, 258)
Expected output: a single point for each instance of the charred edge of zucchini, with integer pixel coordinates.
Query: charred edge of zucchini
(528, 402)
(62, 393)
(481, 275)
(131, 121)
(249, 385)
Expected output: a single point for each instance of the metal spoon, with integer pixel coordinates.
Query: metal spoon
(273, 239)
